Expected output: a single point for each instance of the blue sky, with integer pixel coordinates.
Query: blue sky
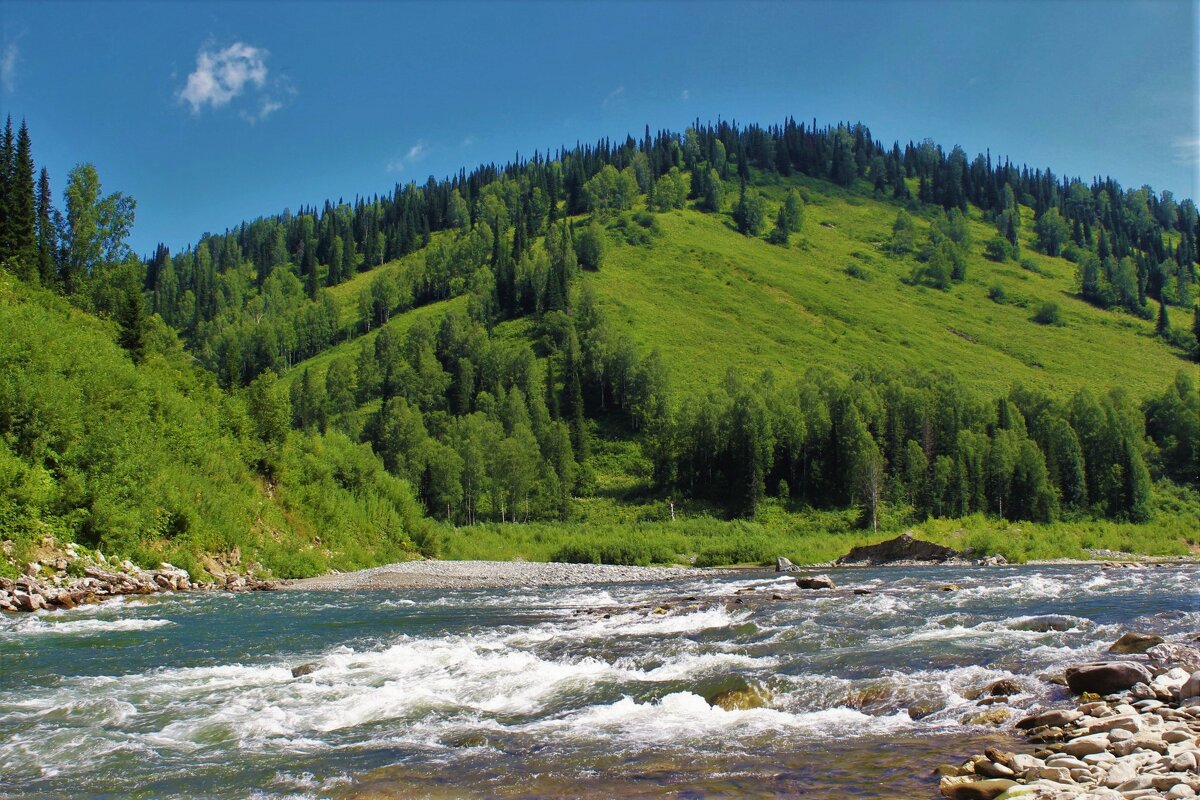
(211, 113)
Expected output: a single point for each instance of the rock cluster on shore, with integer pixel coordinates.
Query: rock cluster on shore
(1134, 733)
(70, 577)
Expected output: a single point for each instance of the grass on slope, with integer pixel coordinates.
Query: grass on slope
(709, 299)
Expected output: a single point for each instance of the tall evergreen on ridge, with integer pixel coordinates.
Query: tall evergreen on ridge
(21, 206)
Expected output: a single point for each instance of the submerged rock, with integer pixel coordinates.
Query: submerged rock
(304, 669)
(741, 699)
(903, 548)
(1131, 642)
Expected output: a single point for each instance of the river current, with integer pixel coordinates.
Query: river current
(588, 691)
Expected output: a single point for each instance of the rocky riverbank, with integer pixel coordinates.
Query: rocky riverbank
(489, 575)
(1134, 733)
(67, 576)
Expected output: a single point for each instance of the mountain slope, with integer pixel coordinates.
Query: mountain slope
(709, 299)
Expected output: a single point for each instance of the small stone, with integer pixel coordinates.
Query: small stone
(993, 716)
(1087, 745)
(1121, 772)
(1056, 774)
(1180, 791)
(1004, 688)
(1055, 718)
(950, 587)
(989, 769)
(965, 788)
(862, 591)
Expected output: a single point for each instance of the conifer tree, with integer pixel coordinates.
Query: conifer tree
(47, 235)
(21, 205)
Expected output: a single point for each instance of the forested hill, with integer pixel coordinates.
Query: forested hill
(739, 318)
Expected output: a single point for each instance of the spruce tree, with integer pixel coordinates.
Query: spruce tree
(47, 234)
(1163, 326)
(21, 206)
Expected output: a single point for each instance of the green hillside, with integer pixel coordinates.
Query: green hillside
(710, 299)
(718, 346)
(153, 461)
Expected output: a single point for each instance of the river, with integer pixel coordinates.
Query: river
(579, 691)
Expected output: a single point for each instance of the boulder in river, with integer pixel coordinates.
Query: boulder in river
(304, 669)
(1131, 642)
(903, 548)
(1106, 677)
(815, 582)
(784, 565)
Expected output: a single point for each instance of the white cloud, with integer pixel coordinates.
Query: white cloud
(615, 98)
(8, 66)
(684, 95)
(467, 141)
(222, 75)
(1187, 150)
(414, 154)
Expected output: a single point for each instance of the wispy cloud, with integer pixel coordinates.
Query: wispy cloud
(239, 70)
(685, 95)
(8, 67)
(411, 156)
(614, 99)
(467, 141)
(1187, 150)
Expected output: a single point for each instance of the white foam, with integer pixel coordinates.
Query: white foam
(683, 716)
(34, 626)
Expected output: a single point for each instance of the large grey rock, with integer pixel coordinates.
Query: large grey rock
(1106, 677)
(784, 565)
(903, 548)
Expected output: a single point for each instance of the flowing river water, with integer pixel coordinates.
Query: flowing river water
(553, 692)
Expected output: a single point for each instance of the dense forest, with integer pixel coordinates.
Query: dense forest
(483, 425)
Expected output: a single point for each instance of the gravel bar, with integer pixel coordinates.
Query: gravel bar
(488, 575)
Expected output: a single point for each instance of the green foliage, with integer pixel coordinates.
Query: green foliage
(1049, 313)
(150, 461)
(589, 246)
(750, 212)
